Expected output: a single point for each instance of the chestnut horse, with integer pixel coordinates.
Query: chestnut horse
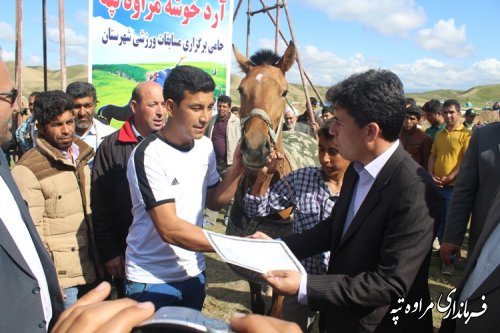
(263, 93)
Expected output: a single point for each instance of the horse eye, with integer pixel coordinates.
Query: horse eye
(240, 91)
(284, 93)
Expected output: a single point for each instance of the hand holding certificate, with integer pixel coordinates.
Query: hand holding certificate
(257, 255)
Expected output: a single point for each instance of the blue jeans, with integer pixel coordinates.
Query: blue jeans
(189, 293)
(445, 194)
(72, 294)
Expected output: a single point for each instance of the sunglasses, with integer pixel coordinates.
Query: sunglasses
(11, 95)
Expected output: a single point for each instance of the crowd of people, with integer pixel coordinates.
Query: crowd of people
(87, 203)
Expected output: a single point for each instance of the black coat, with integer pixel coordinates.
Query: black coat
(111, 202)
(383, 256)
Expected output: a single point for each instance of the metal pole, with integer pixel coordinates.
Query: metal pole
(62, 44)
(19, 54)
(44, 28)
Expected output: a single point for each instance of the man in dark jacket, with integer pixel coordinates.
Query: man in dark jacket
(111, 203)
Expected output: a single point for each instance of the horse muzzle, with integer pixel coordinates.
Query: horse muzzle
(254, 156)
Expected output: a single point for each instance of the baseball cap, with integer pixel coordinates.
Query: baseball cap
(470, 112)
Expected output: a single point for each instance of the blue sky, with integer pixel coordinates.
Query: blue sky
(430, 44)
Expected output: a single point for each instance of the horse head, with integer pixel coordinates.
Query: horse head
(263, 91)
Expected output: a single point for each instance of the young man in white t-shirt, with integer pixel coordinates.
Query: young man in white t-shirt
(172, 176)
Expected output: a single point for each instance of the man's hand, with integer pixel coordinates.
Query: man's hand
(447, 179)
(447, 250)
(260, 235)
(437, 181)
(115, 267)
(91, 315)
(261, 324)
(284, 282)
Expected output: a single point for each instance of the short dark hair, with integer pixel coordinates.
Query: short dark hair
(373, 96)
(50, 105)
(224, 99)
(313, 101)
(81, 89)
(34, 94)
(188, 78)
(327, 109)
(414, 111)
(411, 101)
(324, 132)
(433, 106)
(451, 102)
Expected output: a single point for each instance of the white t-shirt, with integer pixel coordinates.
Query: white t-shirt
(160, 172)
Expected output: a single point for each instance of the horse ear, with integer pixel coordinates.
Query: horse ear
(244, 63)
(287, 60)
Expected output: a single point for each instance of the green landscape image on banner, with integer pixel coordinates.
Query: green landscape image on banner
(135, 41)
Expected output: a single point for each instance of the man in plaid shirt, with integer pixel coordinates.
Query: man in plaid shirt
(312, 193)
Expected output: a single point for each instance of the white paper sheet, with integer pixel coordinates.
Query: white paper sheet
(255, 254)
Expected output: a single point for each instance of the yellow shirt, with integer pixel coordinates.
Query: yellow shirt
(448, 149)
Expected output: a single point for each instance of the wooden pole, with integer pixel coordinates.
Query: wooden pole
(286, 43)
(277, 26)
(62, 45)
(237, 9)
(299, 63)
(248, 29)
(44, 41)
(19, 55)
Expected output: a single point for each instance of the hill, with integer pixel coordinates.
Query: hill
(33, 77)
(479, 96)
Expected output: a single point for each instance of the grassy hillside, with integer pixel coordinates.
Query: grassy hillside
(479, 96)
(33, 77)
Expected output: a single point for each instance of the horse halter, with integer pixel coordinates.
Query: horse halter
(273, 134)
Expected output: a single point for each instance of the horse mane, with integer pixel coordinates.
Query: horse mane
(264, 57)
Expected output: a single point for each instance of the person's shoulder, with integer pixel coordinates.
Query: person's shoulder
(103, 129)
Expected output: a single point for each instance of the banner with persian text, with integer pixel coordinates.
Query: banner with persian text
(136, 40)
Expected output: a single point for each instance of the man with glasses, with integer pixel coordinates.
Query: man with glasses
(85, 100)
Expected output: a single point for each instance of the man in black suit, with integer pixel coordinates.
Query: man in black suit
(481, 283)
(381, 228)
(30, 297)
(476, 184)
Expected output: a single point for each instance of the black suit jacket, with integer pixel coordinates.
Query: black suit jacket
(476, 184)
(490, 288)
(20, 304)
(383, 256)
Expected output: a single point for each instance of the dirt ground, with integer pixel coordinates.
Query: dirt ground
(228, 293)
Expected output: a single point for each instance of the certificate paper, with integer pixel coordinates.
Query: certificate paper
(257, 255)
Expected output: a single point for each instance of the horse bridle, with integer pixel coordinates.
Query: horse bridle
(273, 134)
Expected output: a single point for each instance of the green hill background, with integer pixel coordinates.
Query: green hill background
(480, 96)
